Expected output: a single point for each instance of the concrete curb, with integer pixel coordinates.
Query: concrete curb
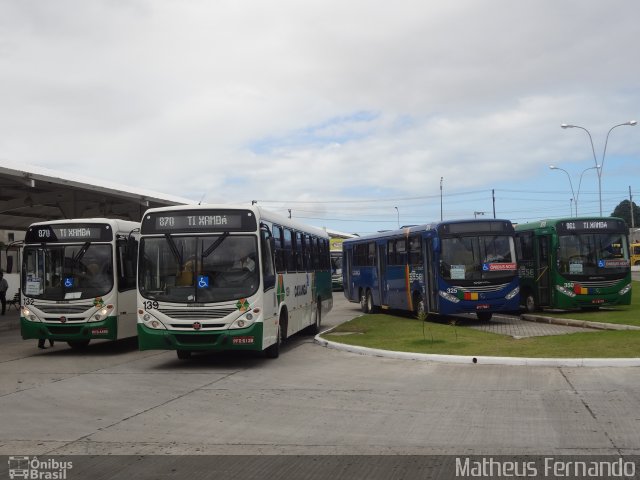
(517, 361)
(576, 323)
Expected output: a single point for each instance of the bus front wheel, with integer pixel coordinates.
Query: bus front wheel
(78, 344)
(183, 354)
(273, 351)
(530, 303)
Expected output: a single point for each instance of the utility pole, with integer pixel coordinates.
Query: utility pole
(441, 198)
(493, 197)
(631, 207)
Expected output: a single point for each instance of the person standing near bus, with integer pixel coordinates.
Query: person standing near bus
(4, 286)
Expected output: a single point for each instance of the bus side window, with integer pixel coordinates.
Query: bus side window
(415, 251)
(268, 269)
(401, 252)
(289, 250)
(391, 252)
(279, 247)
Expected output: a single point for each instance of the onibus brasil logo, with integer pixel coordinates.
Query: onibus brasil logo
(33, 468)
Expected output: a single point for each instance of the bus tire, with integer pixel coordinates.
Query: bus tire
(484, 316)
(363, 302)
(78, 344)
(273, 351)
(183, 354)
(368, 303)
(315, 328)
(530, 303)
(418, 304)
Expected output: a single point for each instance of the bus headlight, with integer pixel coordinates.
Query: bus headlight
(565, 291)
(625, 289)
(150, 321)
(29, 315)
(101, 314)
(244, 321)
(448, 296)
(512, 293)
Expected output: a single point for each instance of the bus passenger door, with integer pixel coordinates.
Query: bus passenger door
(542, 279)
(383, 287)
(430, 282)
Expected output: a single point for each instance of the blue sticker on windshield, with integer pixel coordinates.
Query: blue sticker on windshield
(203, 281)
(68, 282)
(485, 267)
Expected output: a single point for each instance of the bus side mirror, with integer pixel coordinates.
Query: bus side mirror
(436, 245)
(132, 247)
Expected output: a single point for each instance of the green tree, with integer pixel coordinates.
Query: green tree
(623, 211)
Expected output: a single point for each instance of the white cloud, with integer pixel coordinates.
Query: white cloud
(322, 100)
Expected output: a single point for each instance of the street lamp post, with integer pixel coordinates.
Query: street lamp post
(580, 183)
(573, 194)
(398, 211)
(630, 123)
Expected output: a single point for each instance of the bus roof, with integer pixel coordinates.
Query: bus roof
(259, 212)
(117, 223)
(553, 222)
(434, 226)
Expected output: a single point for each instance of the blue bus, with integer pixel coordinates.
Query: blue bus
(450, 267)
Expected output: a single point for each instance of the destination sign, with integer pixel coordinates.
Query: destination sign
(75, 232)
(480, 227)
(592, 225)
(199, 221)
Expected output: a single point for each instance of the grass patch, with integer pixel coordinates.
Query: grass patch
(404, 334)
(622, 315)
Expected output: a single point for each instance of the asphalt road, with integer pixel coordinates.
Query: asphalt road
(114, 399)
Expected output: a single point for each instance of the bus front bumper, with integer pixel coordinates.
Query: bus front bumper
(241, 339)
(105, 329)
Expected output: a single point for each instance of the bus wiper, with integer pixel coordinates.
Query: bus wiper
(173, 247)
(214, 245)
(81, 252)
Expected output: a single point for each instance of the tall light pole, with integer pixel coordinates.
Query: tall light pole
(398, 216)
(573, 194)
(630, 123)
(580, 183)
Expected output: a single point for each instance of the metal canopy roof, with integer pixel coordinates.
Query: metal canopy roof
(33, 194)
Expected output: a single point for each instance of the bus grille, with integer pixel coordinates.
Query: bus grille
(197, 339)
(483, 288)
(197, 314)
(204, 326)
(599, 283)
(64, 309)
(64, 330)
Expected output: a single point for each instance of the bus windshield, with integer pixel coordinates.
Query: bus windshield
(483, 257)
(198, 269)
(67, 272)
(601, 254)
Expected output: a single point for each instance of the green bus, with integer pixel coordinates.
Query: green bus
(574, 263)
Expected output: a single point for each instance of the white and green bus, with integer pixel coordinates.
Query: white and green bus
(219, 277)
(78, 280)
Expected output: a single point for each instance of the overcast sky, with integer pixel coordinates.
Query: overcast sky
(356, 107)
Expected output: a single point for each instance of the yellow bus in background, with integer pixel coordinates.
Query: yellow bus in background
(635, 254)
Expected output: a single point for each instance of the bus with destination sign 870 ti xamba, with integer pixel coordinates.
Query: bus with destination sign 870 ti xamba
(214, 278)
